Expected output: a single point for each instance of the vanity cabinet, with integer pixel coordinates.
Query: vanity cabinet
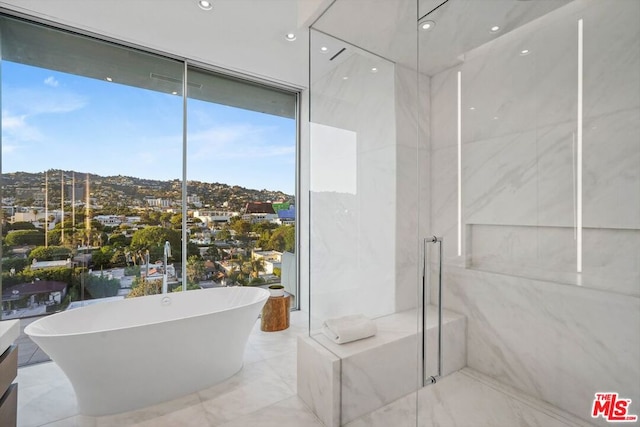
(8, 390)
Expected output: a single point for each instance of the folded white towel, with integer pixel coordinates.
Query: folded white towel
(349, 328)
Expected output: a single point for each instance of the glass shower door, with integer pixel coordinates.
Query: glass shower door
(364, 238)
(534, 166)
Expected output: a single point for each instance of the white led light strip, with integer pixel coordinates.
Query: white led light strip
(459, 163)
(579, 156)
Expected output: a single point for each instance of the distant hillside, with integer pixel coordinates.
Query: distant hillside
(27, 189)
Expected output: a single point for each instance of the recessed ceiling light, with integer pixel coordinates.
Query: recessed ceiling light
(345, 78)
(524, 52)
(427, 25)
(174, 93)
(109, 79)
(324, 48)
(290, 37)
(205, 5)
(495, 29)
(472, 108)
(374, 70)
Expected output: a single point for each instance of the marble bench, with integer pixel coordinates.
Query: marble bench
(341, 383)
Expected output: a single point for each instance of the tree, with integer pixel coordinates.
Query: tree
(101, 286)
(277, 271)
(256, 266)
(195, 270)
(153, 239)
(165, 218)
(119, 240)
(213, 253)
(176, 221)
(49, 253)
(141, 287)
(263, 241)
(223, 234)
(240, 270)
(21, 225)
(240, 226)
(283, 239)
(102, 257)
(25, 237)
(192, 250)
(18, 264)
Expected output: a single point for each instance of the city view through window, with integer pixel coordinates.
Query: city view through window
(92, 186)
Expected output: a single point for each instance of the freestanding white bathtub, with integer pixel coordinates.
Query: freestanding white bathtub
(128, 354)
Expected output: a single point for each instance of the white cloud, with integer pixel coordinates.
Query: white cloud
(32, 101)
(16, 128)
(51, 81)
(21, 106)
(236, 141)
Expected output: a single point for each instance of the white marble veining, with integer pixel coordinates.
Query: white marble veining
(467, 398)
(556, 342)
(350, 272)
(499, 180)
(611, 55)
(411, 160)
(319, 380)
(612, 169)
(463, 400)
(376, 371)
(538, 325)
(262, 396)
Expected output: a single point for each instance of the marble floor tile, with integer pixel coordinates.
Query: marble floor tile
(263, 394)
(28, 351)
(401, 413)
(43, 402)
(285, 366)
(289, 412)
(255, 387)
(466, 398)
(46, 397)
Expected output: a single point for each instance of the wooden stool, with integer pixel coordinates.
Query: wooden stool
(275, 314)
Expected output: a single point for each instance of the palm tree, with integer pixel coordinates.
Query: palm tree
(256, 266)
(240, 271)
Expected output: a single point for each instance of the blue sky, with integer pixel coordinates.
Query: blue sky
(53, 120)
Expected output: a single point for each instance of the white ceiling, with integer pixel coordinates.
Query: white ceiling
(246, 36)
(389, 27)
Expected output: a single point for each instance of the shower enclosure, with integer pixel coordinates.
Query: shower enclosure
(511, 130)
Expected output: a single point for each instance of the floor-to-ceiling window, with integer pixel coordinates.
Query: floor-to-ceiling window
(116, 183)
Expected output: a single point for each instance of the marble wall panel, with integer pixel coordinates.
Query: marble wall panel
(374, 378)
(555, 342)
(523, 172)
(499, 180)
(611, 55)
(353, 223)
(611, 260)
(412, 97)
(407, 232)
(444, 202)
(556, 178)
(494, 103)
(318, 379)
(611, 177)
(443, 117)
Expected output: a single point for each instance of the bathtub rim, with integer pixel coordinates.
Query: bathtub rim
(27, 329)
